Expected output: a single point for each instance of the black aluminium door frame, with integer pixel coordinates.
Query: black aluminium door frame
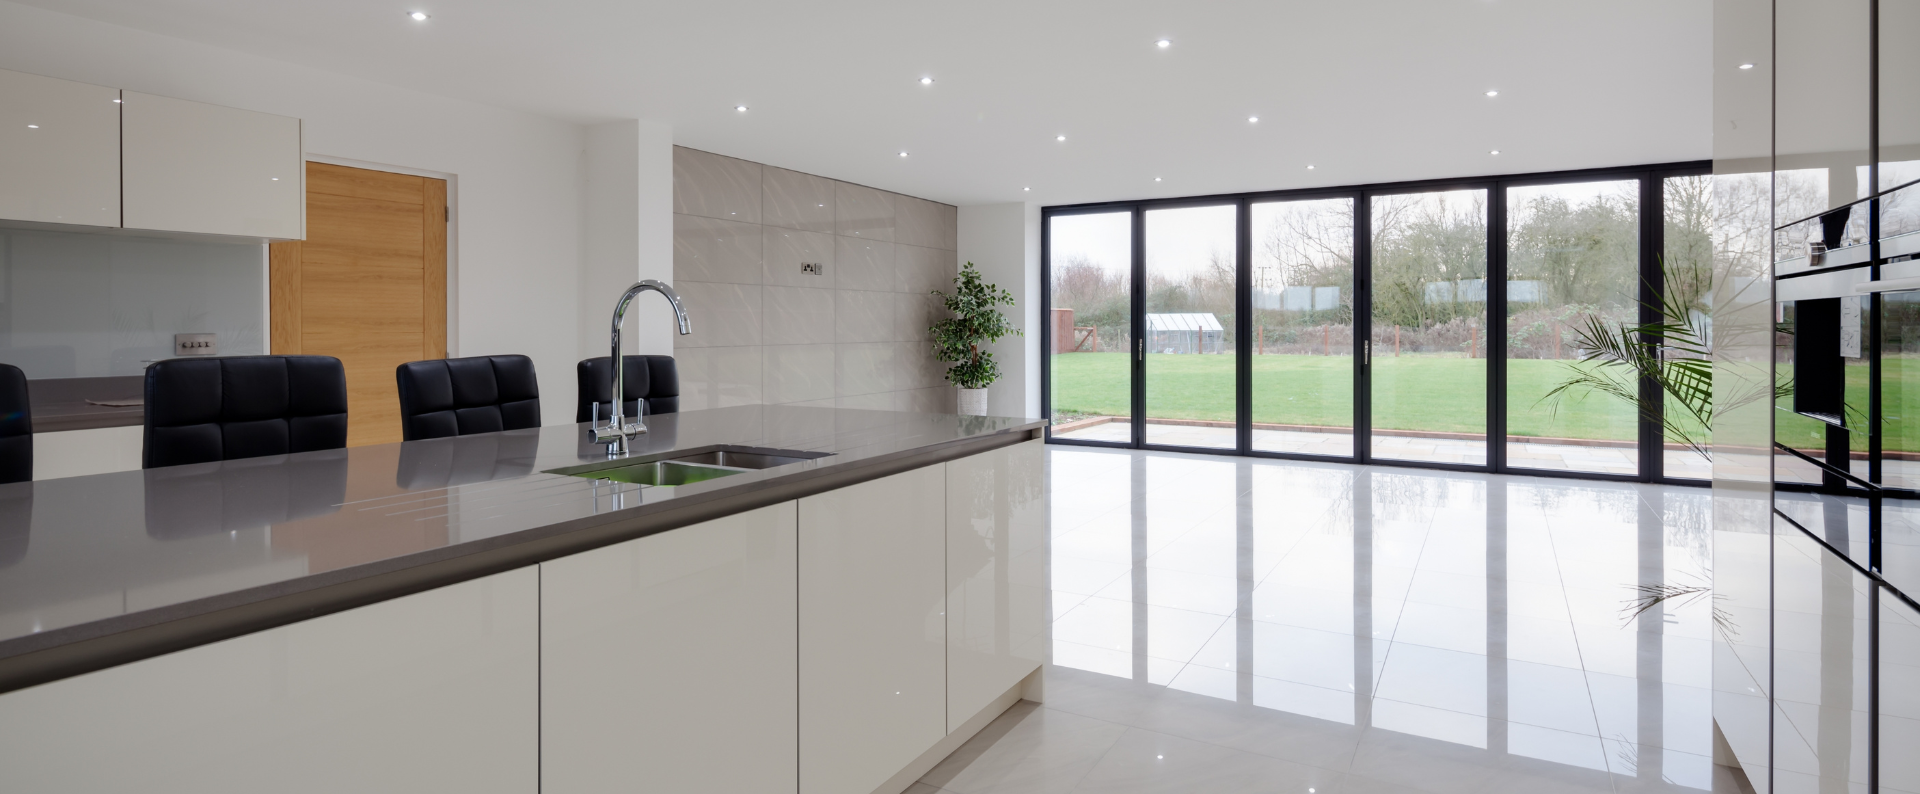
(1652, 225)
(1240, 387)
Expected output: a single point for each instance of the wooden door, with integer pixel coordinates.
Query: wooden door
(368, 286)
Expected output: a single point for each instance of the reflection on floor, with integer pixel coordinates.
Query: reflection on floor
(1231, 624)
(1556, 457)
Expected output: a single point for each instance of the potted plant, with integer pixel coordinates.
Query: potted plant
(958, 339)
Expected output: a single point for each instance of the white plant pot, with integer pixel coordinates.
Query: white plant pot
(973, 402)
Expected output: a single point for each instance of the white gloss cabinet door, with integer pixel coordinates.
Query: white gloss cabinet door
(996, 532)
(435, 691)
(195, 167)
(669, 662)
(872, 637)
(59, 151)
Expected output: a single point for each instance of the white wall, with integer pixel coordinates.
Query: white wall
(629, 233)
(1003, 243)
(517, 187)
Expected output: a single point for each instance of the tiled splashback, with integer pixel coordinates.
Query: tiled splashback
(853, 335)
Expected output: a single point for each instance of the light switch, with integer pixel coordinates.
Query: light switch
(194, 345)
(815, 268)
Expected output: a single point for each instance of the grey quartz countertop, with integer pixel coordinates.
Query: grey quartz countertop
(110, 568)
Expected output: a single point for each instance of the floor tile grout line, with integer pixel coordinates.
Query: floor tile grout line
(1593, 706)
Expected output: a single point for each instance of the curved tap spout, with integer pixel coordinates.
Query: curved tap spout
(619, 428)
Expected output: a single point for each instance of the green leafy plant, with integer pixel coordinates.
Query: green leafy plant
(975, 322)
(1672, 353)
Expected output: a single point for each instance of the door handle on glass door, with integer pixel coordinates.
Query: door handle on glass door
(1141, 347)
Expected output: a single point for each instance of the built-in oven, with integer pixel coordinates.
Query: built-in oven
(1847, 352)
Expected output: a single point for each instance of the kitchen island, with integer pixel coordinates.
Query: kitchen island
(491, 613)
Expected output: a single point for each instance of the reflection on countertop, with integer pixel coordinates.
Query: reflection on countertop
(145, 547)
(64, 403)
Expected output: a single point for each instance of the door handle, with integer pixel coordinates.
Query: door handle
(1141, 349)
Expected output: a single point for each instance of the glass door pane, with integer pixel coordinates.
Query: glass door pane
(1091, 258)
(1302, 345)
(1688, 264)
(1192, 275)
(1573, 283)
(1429, 366)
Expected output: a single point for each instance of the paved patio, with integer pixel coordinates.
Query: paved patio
(1532, 455)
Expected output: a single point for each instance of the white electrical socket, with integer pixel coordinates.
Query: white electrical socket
(194, 345)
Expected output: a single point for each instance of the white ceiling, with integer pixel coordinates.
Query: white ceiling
(1381, 90)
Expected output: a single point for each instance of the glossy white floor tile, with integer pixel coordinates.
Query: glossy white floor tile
(1235, 625)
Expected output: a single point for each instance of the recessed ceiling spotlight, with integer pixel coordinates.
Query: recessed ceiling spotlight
(1253, 119)
(1746, 66)
(903, 154)
(1060, 138)
(741, 108)
(1309, 168)
(1026, 188)
(276, 179)
(1156, 179)
(33, 126)
(1163, 43)
(1496, 151)
(926, 81)
(116, 101)
(1493, 93)
(418, 16)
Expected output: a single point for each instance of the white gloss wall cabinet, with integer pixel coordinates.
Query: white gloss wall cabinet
(668, 661)
(195, 167)
(872, 636)
(996, 531)
(435, 691)
(59, 151)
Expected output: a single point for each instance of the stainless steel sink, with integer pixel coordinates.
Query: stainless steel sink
(659, 472)
(745, 459)
(689, 466)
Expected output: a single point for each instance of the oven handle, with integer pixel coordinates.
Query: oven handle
(1890, 285)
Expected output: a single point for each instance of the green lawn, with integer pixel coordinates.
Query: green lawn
(1900, 404)
(1412, 393)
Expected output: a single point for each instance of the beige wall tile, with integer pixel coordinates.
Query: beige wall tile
(723, 315)
(863, 212)
(881, 401)
(862, 316)
(922, 270)
(915, 367)
(788, 248)
(705, 249)
(799, 373)
(719, 377)
(864, 368)
(924, 223)
(938, 400)
(913, 313)
(797, 201)
(765, 332)
(798, 316)
(863, 265)
(713, 186)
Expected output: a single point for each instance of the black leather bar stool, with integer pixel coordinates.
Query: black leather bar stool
(201, 410)
(462, 396)
(652, 381)
(16, 426)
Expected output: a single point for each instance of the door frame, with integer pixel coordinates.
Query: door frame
(1652, 223)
